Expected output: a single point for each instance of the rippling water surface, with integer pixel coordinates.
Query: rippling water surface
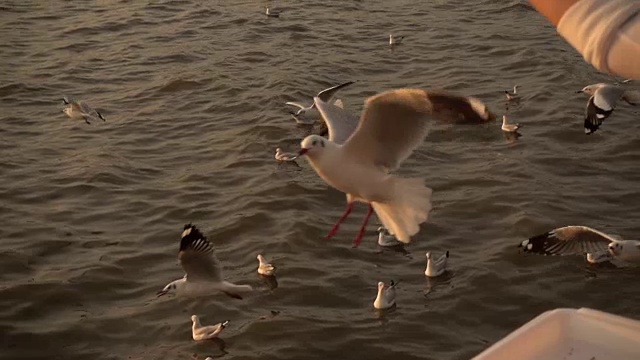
(193, 92)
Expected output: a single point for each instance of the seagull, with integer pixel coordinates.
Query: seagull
(385, 239)
(386, 297)
(203, 272)
(395, 40)
(509, 127)
(264, 268)
(512, 96)
(80, 109)
(325, 95)
(272, 13)
(438, 266)
(285, 156)
(199, 332)
(577, 240)
(358, 162)
(602, 101)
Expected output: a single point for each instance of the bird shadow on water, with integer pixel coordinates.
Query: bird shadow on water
(216, 343)
(443, 280)
(270, 281)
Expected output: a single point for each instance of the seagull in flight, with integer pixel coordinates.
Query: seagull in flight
(360, 161)
(325, 95)
(580, 240)
(203, 271)
(602, 101)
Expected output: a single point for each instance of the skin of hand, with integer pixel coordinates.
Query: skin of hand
(552, 9)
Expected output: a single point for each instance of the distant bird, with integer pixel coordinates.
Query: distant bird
(436, 267)
(264, 268)
(580, 240)
(325, 95)
(506, 127)
(285, 156)
(80, 110)
(272, 13)
(361, 162)
(204, 274)
(385, 239)
(397, 40)
(603, 99)
(386, 297)
(199, 332)
(514, 95)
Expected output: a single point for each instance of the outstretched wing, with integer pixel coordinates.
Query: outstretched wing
(340, 123)
(326, 94)
(196, 256)
(568, 240)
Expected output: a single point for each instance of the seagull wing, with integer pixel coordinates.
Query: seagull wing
(87, 110)
(298, 105)
(568, 240)
(341, 123)
(197, 258)
(600, 106)
(392, 125)
(327, 94)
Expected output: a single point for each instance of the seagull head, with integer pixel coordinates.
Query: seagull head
(67, 110)
(195, 319)
(380, 285)
(260, 258)
(312, 145)
(590, 89)
(171, 287)
(381, 230)
(428, 255)
(615, 248)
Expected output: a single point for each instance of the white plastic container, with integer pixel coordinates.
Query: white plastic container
(567, 334)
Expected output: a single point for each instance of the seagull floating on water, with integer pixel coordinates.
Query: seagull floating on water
(386, 297)
(578, 240)
(80, 110)
(512, 96)
(395, 40)
(199, 332)
(264, 268)
(603, 99)
(285, 156)
(385, 239)
(359, 162)
(438, 266)
(203, 272)
(272, 13)
(325, 95)
(509, 127)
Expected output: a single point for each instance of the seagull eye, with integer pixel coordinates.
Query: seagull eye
(314, 143)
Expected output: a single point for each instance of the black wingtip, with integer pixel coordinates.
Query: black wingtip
(190, 235)
(536, 244)
(101, 117)
(65, 101)
(447, 254)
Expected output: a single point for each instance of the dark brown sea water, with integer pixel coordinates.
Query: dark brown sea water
(194, 93)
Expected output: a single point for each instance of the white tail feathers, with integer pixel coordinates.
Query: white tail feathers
(408, 208)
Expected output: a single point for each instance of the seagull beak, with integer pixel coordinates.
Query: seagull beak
(579, 91)
(302, 152)
(161, 292)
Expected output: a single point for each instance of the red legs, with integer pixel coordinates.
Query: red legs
(358, 238)
(335, 227)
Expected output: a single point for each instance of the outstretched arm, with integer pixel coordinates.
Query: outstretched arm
(605, 32)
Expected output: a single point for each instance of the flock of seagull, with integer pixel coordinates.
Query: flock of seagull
(359, 155)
